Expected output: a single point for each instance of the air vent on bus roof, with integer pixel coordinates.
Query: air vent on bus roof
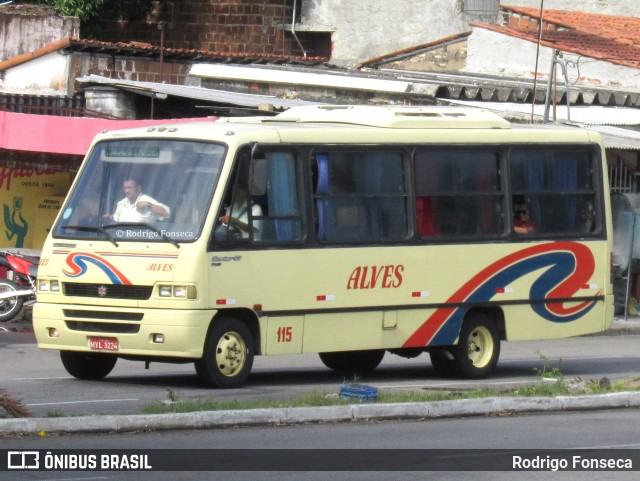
(431, 114)
(400, 117)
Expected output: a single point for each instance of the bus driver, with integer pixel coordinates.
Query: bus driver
(138, 207)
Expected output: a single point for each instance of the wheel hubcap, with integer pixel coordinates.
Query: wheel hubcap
(480, 347)
(231, 354)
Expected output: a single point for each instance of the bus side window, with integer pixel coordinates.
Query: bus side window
(458, 193)
(264, 205)
(235, 217)
(557, 188)
(282, 218)
(360, 196)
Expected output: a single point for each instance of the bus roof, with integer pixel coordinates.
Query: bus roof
(394, 117)
(363, 123)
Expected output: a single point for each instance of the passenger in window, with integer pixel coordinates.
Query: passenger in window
(522, 222)
(588, 217)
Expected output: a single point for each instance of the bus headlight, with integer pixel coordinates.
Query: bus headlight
(46, 285)
(165, 291)
(181, 291)
(178, 291)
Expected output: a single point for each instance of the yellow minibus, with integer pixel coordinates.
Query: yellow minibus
(347, 231)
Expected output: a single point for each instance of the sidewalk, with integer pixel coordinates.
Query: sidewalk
(350, 413)
(621, 326)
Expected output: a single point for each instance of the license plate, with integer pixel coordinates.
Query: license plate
(104, 344)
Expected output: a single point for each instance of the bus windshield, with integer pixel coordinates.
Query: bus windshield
(142, 190)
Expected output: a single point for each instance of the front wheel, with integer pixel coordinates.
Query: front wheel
(9, 307)
(353, 362)
(478, 349)
(88, 365)
(228, 354)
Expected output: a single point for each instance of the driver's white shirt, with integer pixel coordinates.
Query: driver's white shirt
(126, 211)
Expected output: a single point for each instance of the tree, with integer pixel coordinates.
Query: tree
(87, 10)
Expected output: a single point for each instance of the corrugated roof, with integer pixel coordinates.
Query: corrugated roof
(600, 119)
(618, 138)
(589, 115)
(597, 36)
(197, 93)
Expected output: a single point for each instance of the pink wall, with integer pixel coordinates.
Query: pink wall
(62, 135)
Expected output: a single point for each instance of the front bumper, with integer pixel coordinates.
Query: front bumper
(184, 331)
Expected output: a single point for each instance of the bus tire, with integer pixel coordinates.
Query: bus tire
(228, 354)
(352, 362)
(88, 365)
(9, 307)
(478, 349)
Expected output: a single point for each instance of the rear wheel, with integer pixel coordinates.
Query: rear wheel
(477, 352)
(228, 354)
(88, 365)
(10, 306)
(353, 362)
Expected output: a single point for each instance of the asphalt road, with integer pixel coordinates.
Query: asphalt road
(284, 451)
(38, 379)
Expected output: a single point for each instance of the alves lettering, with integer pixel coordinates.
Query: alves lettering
(155, 267)
(569, 267)
(371, 277)
(77, 263)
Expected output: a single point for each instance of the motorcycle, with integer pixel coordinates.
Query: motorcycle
(19, 288)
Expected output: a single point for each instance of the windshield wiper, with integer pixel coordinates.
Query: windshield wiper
(148, 226)
(86, 228)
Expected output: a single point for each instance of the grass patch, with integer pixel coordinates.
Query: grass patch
(558, 387)
(177, 405)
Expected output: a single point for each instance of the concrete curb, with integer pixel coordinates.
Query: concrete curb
(327, 414)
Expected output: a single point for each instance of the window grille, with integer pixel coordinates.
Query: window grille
(620, 177)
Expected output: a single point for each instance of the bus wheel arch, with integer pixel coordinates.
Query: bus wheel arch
(228, 351)
(478, 349)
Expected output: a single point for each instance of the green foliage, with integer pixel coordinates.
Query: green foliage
(548, 372)
(87, 10)
(54, 414)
